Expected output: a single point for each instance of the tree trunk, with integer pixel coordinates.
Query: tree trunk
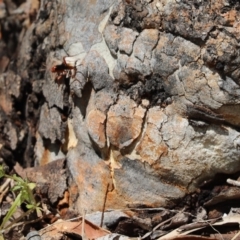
(145, 107)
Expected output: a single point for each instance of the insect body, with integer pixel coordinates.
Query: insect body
(63, 70)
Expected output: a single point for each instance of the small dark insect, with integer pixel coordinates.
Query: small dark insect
(63, 70)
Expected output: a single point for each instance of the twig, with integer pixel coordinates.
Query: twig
(20, 223)
(235, 237)
(215, 230)
(155, 228)
(143, 209)
(15, 221)
(4, 188)
(198, 224)
(84, 237)
(233, 182)
(104, 204)
(161, 224)
(83, 223)
(5, 184)
(4, 192)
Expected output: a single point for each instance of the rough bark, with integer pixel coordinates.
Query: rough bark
(153, 110)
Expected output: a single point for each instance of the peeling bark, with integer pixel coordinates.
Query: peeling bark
(153, 109)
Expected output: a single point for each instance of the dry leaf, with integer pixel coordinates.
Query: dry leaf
(91, 231)
(114, 236)
(228, 194)
(190, 237)
(178, 232)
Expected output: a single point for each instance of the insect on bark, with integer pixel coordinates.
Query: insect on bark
(63, 70)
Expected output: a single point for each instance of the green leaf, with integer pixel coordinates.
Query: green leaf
(16, 188)
(12, 210)
(17, 179)
(2, 172)
(39, 211)
(25, 195)
(31, 185)
(29, 206)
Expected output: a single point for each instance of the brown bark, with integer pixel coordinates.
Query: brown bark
(153, 109)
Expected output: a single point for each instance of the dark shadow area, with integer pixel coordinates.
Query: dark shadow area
(82, 102)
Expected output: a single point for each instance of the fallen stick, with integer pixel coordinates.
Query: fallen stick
(233, 182)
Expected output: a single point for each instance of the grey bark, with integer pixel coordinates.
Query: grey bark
(153, 110)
